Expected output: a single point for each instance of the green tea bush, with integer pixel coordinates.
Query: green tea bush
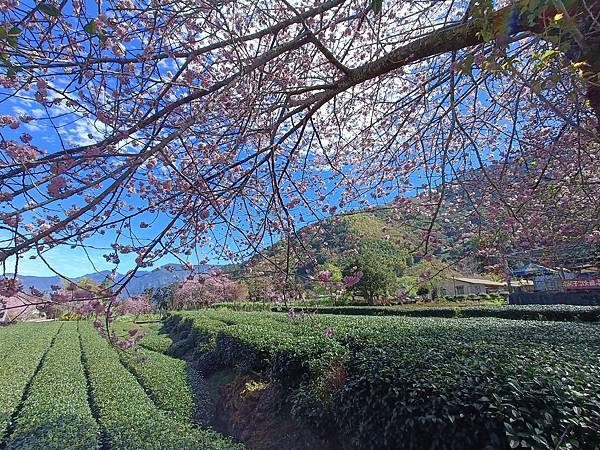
(153, 337)
(256, 341)
(491, 386)
(243, 306)
(168, 380)
(258, 306)
(129, 417)
(23, 346)
(400, 382)
(193, 334)
(537, 312)
(56, 413)
(516, 312)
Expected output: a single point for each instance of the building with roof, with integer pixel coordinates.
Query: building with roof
(458, 285)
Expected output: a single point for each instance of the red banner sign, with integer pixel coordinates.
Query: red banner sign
(582, 283)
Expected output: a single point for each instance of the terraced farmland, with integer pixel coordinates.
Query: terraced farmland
(415, 383)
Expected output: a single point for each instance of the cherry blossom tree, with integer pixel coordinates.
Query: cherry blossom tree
(331, 279)
(206, 289)
(262, 289)
(225, 126)
(137, 305)
(16, 307)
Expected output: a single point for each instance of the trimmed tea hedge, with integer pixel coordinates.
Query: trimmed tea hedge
(168, 380)
(152, 338)
(243, 306)
(191, 333)
(130, 419)
(397, 382)
(9, 338)
(516, 312)
(471, 384)
(56, 413)
(252, 341)
(25, 346)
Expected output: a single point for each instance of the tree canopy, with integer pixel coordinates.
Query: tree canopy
(172, 126)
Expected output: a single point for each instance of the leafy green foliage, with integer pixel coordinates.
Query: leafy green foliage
(11, 36)
(255, 341)
(425, 382)
(56, 413)
(517, 312)
(333, 243)
(152, 336)
(378, 278)
(472, 384)
(49, 9)
(243, 306)
(127, 414)
(23, 346)
(377, 4)
(168, 380)
(192, 333)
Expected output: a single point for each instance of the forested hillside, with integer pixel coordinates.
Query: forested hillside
(402, 253)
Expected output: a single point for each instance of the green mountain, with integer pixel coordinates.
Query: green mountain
(372, 241)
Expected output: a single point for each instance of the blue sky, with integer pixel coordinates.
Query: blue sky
(73, 132)
(64, 259)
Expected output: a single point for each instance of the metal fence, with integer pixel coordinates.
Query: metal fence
(555, 298)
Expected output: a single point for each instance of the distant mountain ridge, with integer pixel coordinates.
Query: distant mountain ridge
(144, 279)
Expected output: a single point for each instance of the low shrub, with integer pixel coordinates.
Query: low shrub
(399, 382)
(153, 337)
(515, 312)
(243, 306)
(56, 413)
(168, 380)
(432, 397)
(255, 341)
(22, 346)
(127, 414)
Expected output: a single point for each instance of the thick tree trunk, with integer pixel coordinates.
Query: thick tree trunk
(509, 22)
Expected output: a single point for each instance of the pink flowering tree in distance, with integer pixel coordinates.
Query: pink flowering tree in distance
(206, 289)
(137, 305)
(225, 126)
(330, 277)
(14, 303)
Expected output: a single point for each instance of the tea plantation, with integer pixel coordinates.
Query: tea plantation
(373, 382)
(415, 383)
(63, 386)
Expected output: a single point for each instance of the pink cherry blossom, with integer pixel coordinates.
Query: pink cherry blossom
(57, 186)
(354, 279)
(9, 287)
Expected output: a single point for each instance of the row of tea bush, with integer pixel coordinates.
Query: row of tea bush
(397, 382)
